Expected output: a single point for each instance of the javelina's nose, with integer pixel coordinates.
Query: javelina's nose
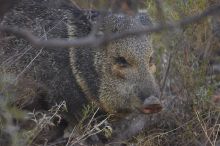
(151, 105)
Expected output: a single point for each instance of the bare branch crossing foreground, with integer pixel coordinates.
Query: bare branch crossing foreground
(89, 40)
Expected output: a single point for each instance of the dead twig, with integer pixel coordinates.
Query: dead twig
(166, 75)
(90, 39)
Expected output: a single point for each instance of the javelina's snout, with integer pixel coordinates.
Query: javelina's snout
(150, 98)
(151, 105)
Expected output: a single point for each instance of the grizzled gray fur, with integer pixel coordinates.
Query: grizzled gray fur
(117, 76)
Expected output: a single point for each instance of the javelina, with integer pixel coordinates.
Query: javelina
(117, 76)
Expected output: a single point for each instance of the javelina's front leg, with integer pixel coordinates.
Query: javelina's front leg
(127, 128)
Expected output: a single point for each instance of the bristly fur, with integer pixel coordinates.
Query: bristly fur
(117, 76)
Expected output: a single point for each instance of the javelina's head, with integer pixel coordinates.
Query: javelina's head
(128, 84)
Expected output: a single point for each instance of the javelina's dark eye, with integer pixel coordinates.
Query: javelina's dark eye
(121, 61)
(119, 67)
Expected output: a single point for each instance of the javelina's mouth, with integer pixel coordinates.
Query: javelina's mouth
(150, 109)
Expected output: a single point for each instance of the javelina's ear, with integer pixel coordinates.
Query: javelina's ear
(116, 23)
(144, 18)
(120, 22)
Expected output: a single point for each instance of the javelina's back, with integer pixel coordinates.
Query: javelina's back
(49, 67)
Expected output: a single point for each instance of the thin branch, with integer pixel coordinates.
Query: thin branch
(160, 11)
(97, 41)
(166, 75)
